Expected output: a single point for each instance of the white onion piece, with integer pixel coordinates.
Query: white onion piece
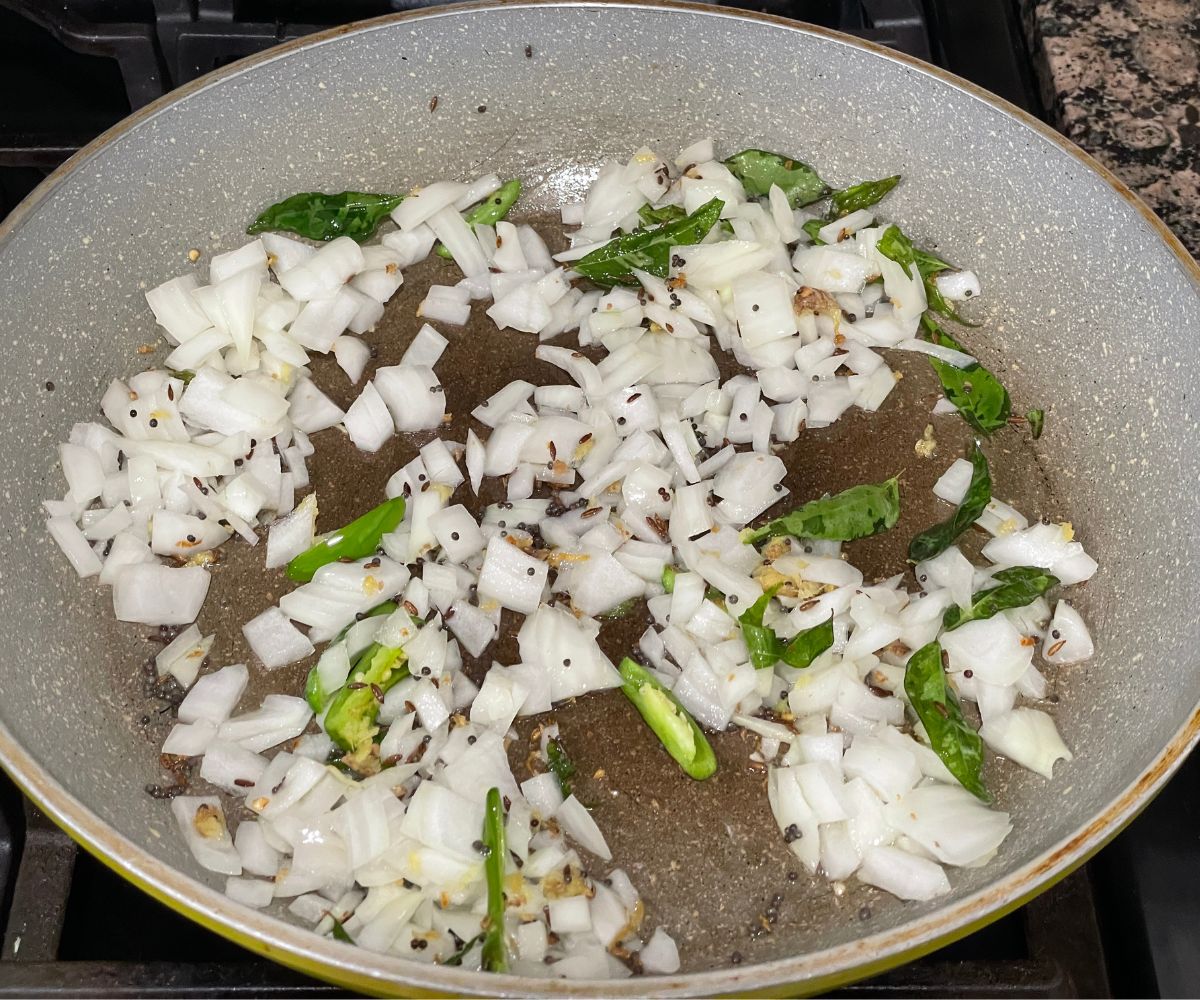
(202, 822)
(440, 464)
(293, 534)
(340, 591)
(275, 640)
(74, 545)
(325, 272)
(183, 655)
(229, 766)
(258, 857)
(419, 206)
(442, 819)
(903, 874)
(287, 251)
(413, 395)
(457, 533)
(991, 648)
(251, 256)
(957, 286)
(566, 653)
(499, 699)
(322, 321)
(425, 350)
(1067, 637)
(252, 892)
(763, 307)
(279, 718)
(368, 421)
(1028, 737)
(442, 309)
(352, 356)
(495, 410)
(151, 594)
(949, 822)
(311, 410)
(471, 626)
(214, 695)
(190, 739)
(176, 310)
(574, 818)
(511, 578)
(175, 534)
(543, 792)
(958, 359)
(660, 954)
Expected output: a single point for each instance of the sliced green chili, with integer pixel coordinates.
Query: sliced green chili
(356, 540)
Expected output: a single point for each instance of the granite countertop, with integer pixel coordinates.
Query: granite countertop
(1122, 79)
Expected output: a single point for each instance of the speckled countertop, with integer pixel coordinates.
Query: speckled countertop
(1122, 79)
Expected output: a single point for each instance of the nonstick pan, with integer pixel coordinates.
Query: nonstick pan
(1090, 312)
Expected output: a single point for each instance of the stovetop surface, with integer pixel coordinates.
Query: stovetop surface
(1127, 924)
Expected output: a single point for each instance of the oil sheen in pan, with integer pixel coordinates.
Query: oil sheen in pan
(706, 856)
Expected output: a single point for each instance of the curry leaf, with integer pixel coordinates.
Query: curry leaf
(955, 742)
(758, 170)
(326, 216)
(981, 399)
(651, 216)
(806, 646)
(983, 402)
(338, 932)
(647, 249)
(813, 227)
(1037, 422)
(854, 513)
(934, 541)
(763, 645)
(1015, 588)
(898, 247)
(561, 765)
(862, 195)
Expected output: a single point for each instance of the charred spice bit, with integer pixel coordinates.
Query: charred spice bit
(433, 103)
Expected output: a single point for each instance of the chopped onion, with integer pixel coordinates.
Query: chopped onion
(159, 595)
(202, 822)
(275, 640)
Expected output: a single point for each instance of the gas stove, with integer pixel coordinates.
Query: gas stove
(1125, 925)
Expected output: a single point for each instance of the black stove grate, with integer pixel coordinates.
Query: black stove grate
(85, 64)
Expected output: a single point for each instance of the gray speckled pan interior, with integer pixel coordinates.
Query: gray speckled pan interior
(1087, 310)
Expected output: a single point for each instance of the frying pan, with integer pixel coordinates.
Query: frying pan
(1089, 310)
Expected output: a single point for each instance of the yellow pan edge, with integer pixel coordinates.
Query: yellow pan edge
(375, 987)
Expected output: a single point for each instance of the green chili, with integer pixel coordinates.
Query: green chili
(670, 721)
(350, 721)
(495, 945)
(356, 540)
(488, 212)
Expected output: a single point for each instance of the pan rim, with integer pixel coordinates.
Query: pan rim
(297, 947)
